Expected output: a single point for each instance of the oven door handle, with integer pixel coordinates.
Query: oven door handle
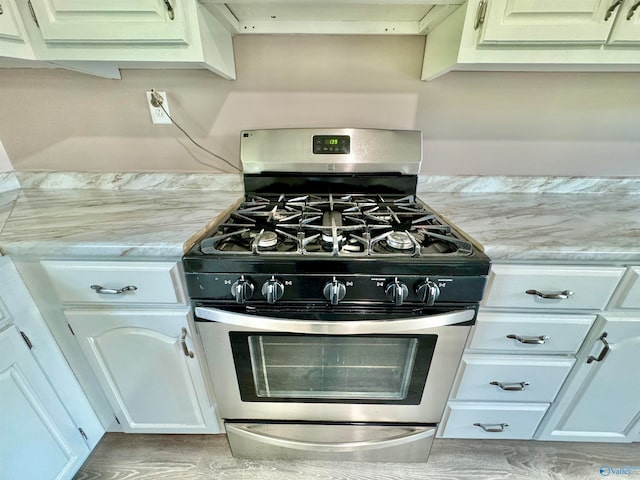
(353, 327)
(413, 434)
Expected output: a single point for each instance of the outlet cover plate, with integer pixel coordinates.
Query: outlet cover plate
(157, 114)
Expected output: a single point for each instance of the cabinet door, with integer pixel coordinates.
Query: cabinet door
(13, 38)
(600, 400)
(115, 21)
(139, 359)
(626, 31)
(546, 22)
(39, 439)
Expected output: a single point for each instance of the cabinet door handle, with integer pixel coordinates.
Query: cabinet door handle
(510, 387)
(632, 10)
(529, 340)
(1, 12)
(492, 427)
(111, 291)
(172, 14)
(480, 14)
(604, 352)
(33, 13)
(564, 294)
(612, 9)
(183, 343)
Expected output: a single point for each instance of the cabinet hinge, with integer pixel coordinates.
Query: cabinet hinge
(33, 13)
(84, 435)
(480, 14)
(71, 329)
(118, 421)
(26, 340)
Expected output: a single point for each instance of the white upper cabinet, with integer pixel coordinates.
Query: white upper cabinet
(546, 22)
(626, 30)
(550, 22)
(547, 35)
(102, 37)
(130, 21)
(13, 37)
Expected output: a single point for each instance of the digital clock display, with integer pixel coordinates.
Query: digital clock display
(331, 144)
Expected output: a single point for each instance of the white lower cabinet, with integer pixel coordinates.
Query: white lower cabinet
(39, 439)
(124, 327)
(145, 362)
(492, 420)
(600, 401)
(532, 323)
(511, 378)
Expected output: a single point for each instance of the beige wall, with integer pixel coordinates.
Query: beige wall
(473, 123)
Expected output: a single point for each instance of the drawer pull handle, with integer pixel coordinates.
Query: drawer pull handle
(110, 291)
(492, 427)
(612, 9)
(510, 387)
(604, 352)
(183, 343)
(542, 339)
(564, 294)
(632, 10)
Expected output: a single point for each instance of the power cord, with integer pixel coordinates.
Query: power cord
(158, 101)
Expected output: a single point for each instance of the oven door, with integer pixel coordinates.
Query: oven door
(334, 369)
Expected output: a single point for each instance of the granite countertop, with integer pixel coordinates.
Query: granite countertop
(139, 217)
(547, 226)
(7, 200)
(106, 215)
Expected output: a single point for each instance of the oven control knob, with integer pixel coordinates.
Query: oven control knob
(428, 292)
(334, 291)
(397, 292)
(273, 290)
(242, 289)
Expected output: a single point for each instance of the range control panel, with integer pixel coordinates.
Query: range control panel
(331, 144)
(244, 288)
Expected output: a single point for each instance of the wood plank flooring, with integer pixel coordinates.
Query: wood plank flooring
(198, 457)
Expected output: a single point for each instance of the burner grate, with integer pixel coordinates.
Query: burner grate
(328, 225)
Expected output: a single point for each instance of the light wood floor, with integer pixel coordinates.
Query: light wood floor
(197, 457)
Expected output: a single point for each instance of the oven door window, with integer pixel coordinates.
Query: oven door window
(332, 368)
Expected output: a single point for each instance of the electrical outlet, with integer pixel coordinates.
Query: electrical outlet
(157, 114)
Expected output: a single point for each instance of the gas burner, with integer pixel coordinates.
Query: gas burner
(268, 240)
(400, 241)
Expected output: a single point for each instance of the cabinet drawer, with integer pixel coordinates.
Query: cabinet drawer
(500, 420)
(591, 287)
(630, 296)
(148, 282)
(514, 378)
(534, 333)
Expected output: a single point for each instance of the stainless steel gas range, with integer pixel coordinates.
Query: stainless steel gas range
(333, 305)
